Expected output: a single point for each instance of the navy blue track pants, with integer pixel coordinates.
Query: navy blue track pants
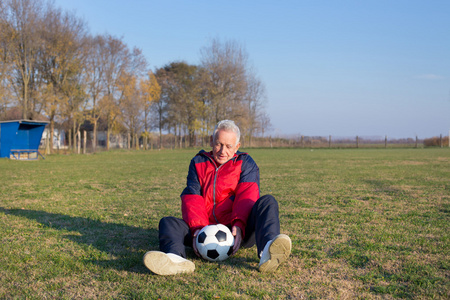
(263, 224)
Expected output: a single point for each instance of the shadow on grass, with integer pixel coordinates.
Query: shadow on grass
(385, 187)
(123, 245)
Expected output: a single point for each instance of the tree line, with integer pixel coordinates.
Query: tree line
(52, 68)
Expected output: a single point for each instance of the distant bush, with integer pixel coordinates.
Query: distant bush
(435, 141)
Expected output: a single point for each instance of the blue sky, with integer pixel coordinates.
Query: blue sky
(341, 68)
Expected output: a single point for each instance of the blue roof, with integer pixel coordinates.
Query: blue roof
(30, 122)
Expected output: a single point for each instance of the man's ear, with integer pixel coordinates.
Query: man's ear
(237, 147)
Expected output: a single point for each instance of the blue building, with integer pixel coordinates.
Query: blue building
(20, 139)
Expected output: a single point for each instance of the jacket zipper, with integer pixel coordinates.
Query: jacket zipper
(214, 193)
(214, 186)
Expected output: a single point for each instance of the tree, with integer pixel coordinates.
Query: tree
(183, 91)
(231, 89)
(5, 64)
(131, 106)
(21, 24)
(114, 61)
(225, 84)
(150, 92)
(160, 106)
(95, 80)
(74, 108)
(265, 123)
(61, 65)
(117, 61)
(253, 107)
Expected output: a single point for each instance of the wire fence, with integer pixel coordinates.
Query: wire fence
(340, 142)
(350, 142)
(85, 143)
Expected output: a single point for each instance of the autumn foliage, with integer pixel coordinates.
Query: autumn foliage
(51, 67)
(436, 141)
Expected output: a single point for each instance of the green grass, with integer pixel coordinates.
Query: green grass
(365, 223)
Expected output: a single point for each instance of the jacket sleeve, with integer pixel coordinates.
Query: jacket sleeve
(247, 193)
(192, 202)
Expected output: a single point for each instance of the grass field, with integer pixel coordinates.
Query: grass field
(365, 223)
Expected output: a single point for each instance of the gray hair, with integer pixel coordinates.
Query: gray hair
(227, 125)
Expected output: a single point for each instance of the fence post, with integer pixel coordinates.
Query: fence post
(302, 141)
(329, 141)
(78, 142)
(416, 140)
(385, 141)
(70, 140)
(84, 142)
(47, 143)
(440, 141)
(357, 142)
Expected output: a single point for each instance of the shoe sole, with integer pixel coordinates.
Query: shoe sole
(159, 263)
(279, 251)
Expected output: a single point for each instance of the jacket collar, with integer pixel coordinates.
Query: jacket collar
(209, 154)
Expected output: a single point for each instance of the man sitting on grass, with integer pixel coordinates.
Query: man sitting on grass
(222, 188)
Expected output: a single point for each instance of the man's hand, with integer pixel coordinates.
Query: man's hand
(194, 244)
(237, 233)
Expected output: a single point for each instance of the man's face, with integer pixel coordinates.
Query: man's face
(224, 146)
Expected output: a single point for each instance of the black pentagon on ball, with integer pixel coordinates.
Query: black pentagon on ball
(221, 236)
(213, 254)
(230, 251)
(202, 237)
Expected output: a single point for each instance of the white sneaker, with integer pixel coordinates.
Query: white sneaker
(167, 263)
(275, 252)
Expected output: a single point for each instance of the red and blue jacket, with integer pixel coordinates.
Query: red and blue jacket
(222, 194)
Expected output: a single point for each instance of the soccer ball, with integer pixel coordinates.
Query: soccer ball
(215, 242)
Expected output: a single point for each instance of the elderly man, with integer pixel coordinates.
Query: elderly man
(222, 187)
